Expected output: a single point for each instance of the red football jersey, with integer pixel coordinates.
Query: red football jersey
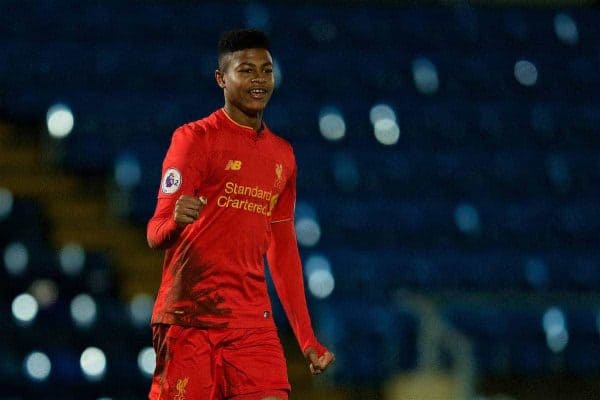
(213, 272)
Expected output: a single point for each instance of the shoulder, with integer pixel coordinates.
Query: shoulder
(195, 130)
(281, 146)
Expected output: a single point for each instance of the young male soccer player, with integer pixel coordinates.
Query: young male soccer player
(226, 199)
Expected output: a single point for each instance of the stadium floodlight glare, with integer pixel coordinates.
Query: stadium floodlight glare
(59, 120)
(425, 76)
(387, 131)
(45, 292)
(557, 336)
(466, 218)
(321, 283)
(566, 29)
(71, 259)
(381, 111)
(83, 310)
(128, 171)
(526, 73)
(320, 279)
(38, 366)
(557, 342)
(147, 361)
(553, 320)
(93, 363)
(24, 308)
(332, 125)
(6, 203)
(140, 309)
(16, 258)
(308, 231)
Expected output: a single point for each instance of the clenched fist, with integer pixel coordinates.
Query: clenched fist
(318, 364)
(187, 209)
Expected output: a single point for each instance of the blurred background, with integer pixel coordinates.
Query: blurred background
(448, 191)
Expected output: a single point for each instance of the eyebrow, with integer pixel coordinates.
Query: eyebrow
(253, 65)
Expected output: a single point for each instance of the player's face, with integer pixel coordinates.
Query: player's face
(247, 80)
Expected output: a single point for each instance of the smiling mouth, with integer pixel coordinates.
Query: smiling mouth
(258, 93)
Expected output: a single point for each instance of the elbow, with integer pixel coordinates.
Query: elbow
(151, 244)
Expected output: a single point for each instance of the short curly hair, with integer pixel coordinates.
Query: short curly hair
(232, 41)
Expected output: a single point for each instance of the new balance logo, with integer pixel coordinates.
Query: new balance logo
(233, 165)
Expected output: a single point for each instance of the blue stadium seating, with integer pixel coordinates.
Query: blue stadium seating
(524, 158)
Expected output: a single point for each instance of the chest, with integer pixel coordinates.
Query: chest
(243, 168)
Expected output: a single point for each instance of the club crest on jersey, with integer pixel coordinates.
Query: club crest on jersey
(171, 181)
(278, 175)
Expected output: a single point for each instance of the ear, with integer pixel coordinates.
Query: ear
(220, 78)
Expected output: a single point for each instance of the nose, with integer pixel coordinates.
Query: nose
(259, 79)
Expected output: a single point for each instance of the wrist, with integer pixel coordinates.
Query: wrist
(316, 346)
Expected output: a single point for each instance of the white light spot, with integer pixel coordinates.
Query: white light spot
(140, 309)
(425, 76)
(6, 203)
(38, 366)
(332, 125)
(16, 258)
(93, 363)
(127, 171)
(557, 336)
(321, 283)
(72, 259)
(45, 292)
(83, 310)
(320, 279)
(147, 361)
(553, 321)
(566, 29)
(308, 231)
(316, 262)
(60, 121)
(466, 218)
(387, 131)
(381, 111)
(24, 308)
(558, 341)
(526, 73)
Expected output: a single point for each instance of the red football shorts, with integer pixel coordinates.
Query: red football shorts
(218, 364)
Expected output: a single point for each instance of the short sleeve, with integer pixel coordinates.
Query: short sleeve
(286, 202)
(182, 166)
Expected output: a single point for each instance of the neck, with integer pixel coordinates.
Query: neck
(252, 121)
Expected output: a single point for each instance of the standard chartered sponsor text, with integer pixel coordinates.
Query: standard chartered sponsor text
(229, 199)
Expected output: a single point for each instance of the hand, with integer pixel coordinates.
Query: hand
(187, 209)
(318, 364)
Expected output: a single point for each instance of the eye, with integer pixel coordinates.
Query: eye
(268, 70)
